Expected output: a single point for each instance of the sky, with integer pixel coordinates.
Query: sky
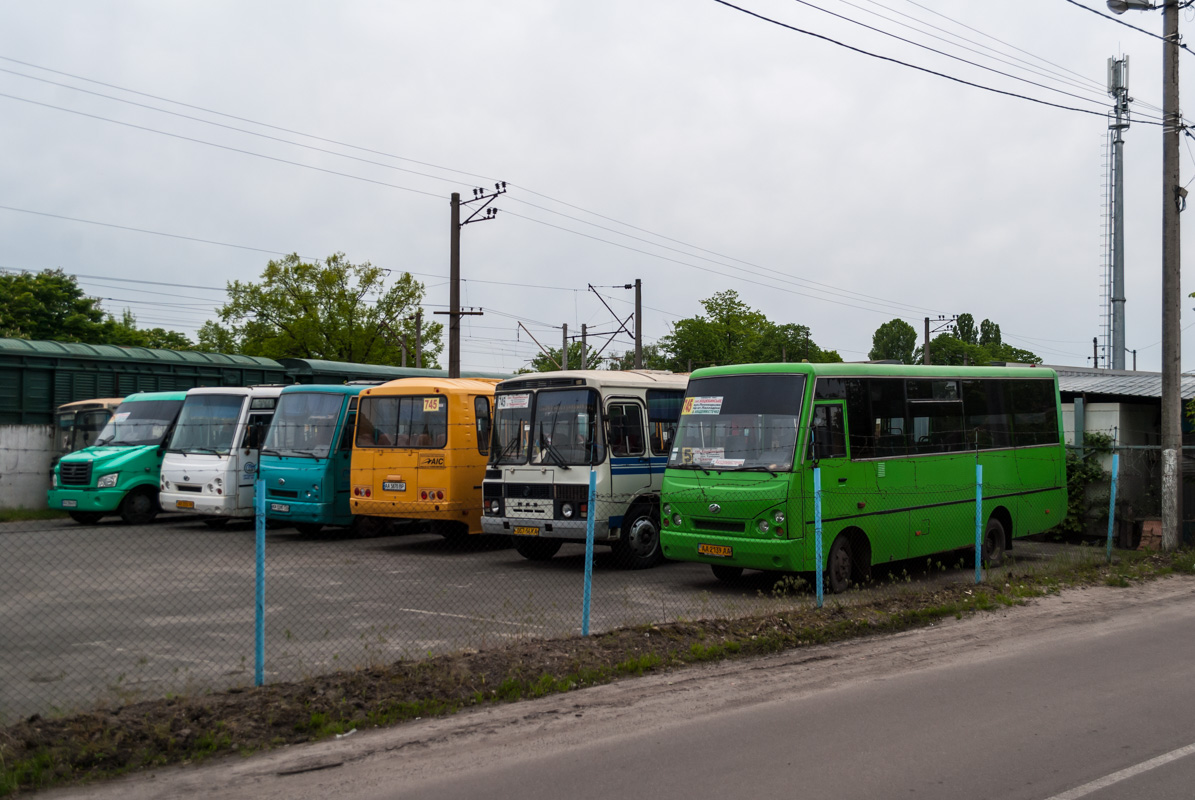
(160, 150)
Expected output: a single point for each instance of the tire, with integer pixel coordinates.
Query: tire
(533, 548)
(216, 523)
(455, 533)
(139, 507)
(840, 565)
(308, 528)
(639, 545)
(86, 517)
(993, 543)
(727, 574)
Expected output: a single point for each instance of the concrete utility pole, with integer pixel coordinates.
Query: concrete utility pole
(1173, 200)
(418, 317)
(1118, 87)
(584, 349)
(564, 348)
(925, 347)
(454, 268)
(638, 324)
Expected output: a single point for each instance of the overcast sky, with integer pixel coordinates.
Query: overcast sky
(683, 142)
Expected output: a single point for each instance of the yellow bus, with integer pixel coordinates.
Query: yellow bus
(420, 451)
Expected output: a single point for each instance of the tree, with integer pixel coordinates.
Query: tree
(895, 340)
(50, 305)
(653, 358)
(337, 311)
(551, 361)
(964, 329)
(985, 346)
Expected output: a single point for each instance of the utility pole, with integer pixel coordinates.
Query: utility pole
(418, 317)
(1118, 87)
(454, 268)
(925, 347)
(1173, 200)
(1095, 352)
(584, 353)
(638, 324)
(404, 349)
(564, 348)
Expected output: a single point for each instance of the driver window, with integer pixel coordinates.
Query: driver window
(828, 433)
(625, 429)
(255, 430)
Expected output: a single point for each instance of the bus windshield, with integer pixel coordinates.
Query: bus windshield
(140, 423)
(403, 421)
(304, 424)
(551, 427)
(739, 423)
(207, 424)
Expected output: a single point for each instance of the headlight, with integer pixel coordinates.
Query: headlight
(778, 516)
(495, 506)
(53, 480)
(108, 481)
(763, 526)
(668, 509)
(566, 510)
(676, 519)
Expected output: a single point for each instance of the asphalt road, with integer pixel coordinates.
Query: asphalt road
(1083, 695)
(112, 613)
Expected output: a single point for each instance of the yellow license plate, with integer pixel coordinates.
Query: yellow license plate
(184, 503)
(716, 550)
(522, 531)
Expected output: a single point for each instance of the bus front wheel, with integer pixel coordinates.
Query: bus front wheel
(639, 545)
(139, 507)
(727, 574)
(993, 543)
(839, 565)
(86, 517)
(536, 549)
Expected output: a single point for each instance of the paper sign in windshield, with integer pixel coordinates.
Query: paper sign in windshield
(702, 405)
(724, 463)
(122, 416)
(514, 401)
(701, 455)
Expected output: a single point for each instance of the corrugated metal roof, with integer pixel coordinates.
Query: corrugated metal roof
(49, 349)
(1123, 383)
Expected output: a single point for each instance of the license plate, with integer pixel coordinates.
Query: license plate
(280, 507)
(184, 503)
(394, 486)
(716, 550)
(70, 503)
(525, 531)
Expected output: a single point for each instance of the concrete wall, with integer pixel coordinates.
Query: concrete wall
(25, 455)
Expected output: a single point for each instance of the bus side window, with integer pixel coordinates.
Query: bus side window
(481, 411)
(625, 430)
(663, 415)
(255, 430)
(829, 437)
(346, 434)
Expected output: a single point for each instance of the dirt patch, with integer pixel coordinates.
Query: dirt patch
(39, 752)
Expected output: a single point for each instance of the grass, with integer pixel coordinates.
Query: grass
(179, 730)
(30, 514)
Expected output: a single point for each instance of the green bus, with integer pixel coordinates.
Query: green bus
(897, 447)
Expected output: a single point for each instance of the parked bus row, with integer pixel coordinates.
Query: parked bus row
(716, 467)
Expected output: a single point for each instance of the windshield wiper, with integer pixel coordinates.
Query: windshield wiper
(757, 468)
(269, 451)
(550, 449)
(506, 449)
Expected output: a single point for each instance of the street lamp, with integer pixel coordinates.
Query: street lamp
(1173, 200)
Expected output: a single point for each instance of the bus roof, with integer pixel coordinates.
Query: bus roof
(879, 370)
(350, 389)
(598, 378)
(138, 397)
(249, 391)
(446, 385)
(99, 402)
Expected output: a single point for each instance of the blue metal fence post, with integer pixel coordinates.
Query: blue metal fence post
(1112, 503)
(259, 506)
(591, 511)
(978, 523)
(817, 530)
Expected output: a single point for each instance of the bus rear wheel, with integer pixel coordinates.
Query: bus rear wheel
(308, 528)
(533, 548)
(639, 545)
(86, 517)
(839, 565)
(993, 543)
(139, 507)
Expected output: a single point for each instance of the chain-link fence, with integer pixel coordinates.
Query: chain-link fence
(104, 613)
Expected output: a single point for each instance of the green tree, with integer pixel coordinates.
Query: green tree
(551, 361)
(965, 330)
(989, 333)
(335, 310)
(947, 348)
(895, 340)
(653, 358)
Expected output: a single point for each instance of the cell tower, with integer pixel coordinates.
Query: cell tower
(1114, 343)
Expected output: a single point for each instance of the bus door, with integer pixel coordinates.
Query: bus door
(626, 438)
(340, 462)
(256, 427)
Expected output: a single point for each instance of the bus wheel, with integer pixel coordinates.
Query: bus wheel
(536, 549)
(139, 507)
(727, 574)
(308, 528)
(839, 565)
(86, 517)
(216, 523)
(993, 543)
(639, 545)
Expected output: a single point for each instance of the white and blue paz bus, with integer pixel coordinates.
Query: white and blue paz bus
(550, 429)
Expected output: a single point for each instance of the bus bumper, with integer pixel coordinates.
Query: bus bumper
(785, 555)
(571, 530)
(105, 500)
(201, 503)
(287, 510)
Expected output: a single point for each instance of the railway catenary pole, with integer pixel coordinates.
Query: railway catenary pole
(454, 311)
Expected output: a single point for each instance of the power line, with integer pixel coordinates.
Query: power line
(1122, 22)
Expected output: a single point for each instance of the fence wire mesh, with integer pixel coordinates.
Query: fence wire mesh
(108, 612)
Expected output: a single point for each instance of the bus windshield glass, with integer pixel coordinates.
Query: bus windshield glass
(403, 421)
(207, 424)
(141, 423)
(739, 423)
(304, 424)
(550, 427)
